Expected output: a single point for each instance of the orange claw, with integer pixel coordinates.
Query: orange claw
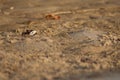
(52, 16)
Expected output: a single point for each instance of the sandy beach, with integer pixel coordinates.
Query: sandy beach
(59, 40)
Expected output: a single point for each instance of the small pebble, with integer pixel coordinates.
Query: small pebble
(33, 33)
(11, 7)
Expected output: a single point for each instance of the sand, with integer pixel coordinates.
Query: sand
(80, 42)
